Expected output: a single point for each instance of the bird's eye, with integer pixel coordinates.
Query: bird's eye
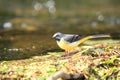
(57, 35)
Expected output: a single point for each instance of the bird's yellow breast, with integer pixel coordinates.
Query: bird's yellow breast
(66, 45)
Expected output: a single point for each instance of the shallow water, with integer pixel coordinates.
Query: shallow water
(19, 44)
(32, 24)
(25, 45)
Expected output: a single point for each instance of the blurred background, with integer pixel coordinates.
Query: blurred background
(27, 26)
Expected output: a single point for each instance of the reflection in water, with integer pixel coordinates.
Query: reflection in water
(100, 17)
(25, 45)
(38, 6)
(50, 5)
(7, 25)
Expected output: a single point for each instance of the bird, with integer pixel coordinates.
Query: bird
(69, 42)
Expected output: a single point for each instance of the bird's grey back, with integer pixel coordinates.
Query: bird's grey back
(71, 37)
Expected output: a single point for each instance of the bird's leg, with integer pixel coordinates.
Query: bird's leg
(67, 52)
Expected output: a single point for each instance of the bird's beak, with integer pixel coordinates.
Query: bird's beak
(56, 38)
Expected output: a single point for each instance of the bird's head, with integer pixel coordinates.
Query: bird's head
(57, 36)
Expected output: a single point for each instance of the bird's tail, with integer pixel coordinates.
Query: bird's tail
(111, 35)
(84, 39)
(99, 36)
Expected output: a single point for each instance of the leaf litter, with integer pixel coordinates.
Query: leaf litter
(97, 60)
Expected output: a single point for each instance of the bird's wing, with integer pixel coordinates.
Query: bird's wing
(72, 38)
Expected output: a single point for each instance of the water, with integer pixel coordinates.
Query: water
(25, 45)
(27, 26)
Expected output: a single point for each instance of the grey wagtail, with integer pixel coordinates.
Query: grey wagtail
(69, 42)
